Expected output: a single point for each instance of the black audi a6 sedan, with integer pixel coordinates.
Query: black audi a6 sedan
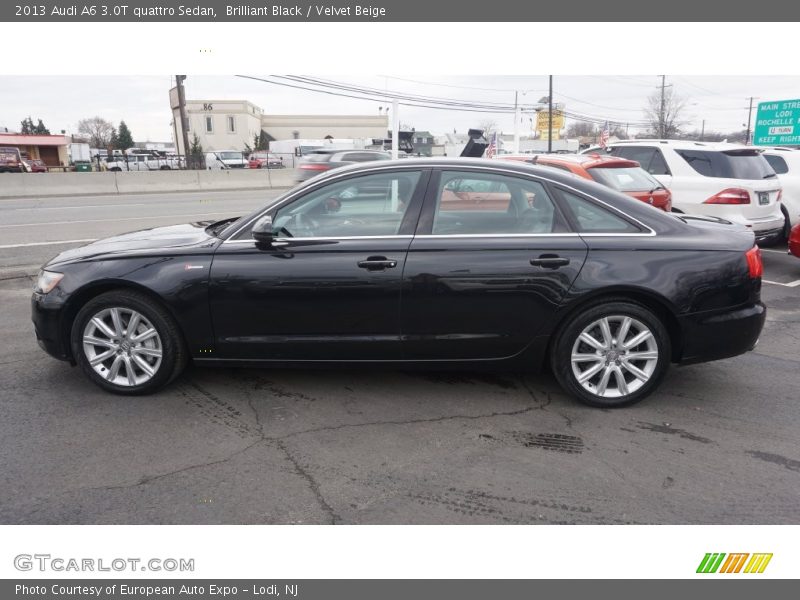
(414, 263)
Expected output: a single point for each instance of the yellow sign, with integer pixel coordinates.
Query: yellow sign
(543, 123)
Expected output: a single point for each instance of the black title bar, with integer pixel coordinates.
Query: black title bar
(413, 11)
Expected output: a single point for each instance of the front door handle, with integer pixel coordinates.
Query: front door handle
(377, 263)
(550, 261)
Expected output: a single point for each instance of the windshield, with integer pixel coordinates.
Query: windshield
(624, 179)
(230, 155)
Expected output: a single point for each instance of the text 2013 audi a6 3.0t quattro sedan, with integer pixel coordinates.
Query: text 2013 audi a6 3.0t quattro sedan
(393, 263)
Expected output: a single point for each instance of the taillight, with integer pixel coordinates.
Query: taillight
(780, 195)
(754, 264)
(315, 167)
(730, 196)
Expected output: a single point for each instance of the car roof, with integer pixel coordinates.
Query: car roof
(542, 171)
(684, 144)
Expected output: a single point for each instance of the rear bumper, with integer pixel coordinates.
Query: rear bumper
(768, 235)
(712, 336)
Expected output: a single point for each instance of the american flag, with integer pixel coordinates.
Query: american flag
(492, 149)
(604, 135)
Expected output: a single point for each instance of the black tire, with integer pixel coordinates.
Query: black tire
(174, 355)
(568, 334)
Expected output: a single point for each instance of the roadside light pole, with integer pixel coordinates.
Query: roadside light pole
(749, 121)
(184, 120)
(395, 130)
(550, 118)
(516, 122)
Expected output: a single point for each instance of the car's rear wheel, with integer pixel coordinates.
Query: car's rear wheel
(126, 343)
(611, 354)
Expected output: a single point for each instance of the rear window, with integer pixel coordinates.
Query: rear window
(777, 163)
(624, 179)
(736, 164)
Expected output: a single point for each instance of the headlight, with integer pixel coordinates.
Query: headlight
(47, 281)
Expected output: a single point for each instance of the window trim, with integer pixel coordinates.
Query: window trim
(432, 174)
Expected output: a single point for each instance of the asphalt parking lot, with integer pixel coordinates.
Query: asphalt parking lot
(718, 443)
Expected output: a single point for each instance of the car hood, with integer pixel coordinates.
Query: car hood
(168, 239)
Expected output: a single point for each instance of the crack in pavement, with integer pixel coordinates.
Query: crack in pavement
(278, 441)
(544, 404)
(151, 478)
(312, 483)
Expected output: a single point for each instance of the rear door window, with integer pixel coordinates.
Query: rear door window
(648, 157)
(487, 204)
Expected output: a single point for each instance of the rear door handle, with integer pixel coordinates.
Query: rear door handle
(549, 261)
(377, 263)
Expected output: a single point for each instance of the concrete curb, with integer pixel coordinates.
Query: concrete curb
(26, 185)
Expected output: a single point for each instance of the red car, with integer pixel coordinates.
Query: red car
(264, 160)
(794, 241)
(621, 174)
(35, 165)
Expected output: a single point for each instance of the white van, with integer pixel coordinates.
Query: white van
(225, 159)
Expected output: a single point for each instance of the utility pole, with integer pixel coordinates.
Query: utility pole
(703, 130)
(749, 121)
(184, 119)
(550, 118)
(662, 116)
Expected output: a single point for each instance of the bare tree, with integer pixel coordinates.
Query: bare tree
(665, 114)
(98, 129)
(581, 129)
(488, 126)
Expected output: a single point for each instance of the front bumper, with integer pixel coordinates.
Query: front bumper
(46, 316)
(721, 334)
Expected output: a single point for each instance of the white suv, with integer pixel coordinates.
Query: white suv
(728, 181)
(786, 163)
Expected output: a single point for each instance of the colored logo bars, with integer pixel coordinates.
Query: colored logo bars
(733, 563)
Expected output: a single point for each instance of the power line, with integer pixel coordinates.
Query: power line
(333, 88)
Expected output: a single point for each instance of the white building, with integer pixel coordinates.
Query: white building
(232, 124)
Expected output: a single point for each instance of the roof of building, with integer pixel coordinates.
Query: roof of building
(18, 139)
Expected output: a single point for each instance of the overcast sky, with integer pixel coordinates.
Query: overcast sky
(61, 101)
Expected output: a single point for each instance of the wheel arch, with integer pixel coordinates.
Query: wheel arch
(656, 303)
(81, 296)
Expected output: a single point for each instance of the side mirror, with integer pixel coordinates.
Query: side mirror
(262, 231)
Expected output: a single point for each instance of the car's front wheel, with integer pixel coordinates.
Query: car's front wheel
(611, 354)
(126, 343)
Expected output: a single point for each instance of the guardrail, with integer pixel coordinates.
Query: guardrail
(33, 185)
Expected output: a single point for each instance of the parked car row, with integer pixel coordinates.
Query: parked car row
(728, 181)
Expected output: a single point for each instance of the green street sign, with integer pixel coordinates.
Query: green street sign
(777, 123)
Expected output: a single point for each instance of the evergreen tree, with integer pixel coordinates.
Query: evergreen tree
(196, 149)
(27, 126)
(113, 140)
(40, 128)
(124, 137)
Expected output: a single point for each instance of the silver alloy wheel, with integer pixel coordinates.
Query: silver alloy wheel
(122, 346)
(614, 356)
